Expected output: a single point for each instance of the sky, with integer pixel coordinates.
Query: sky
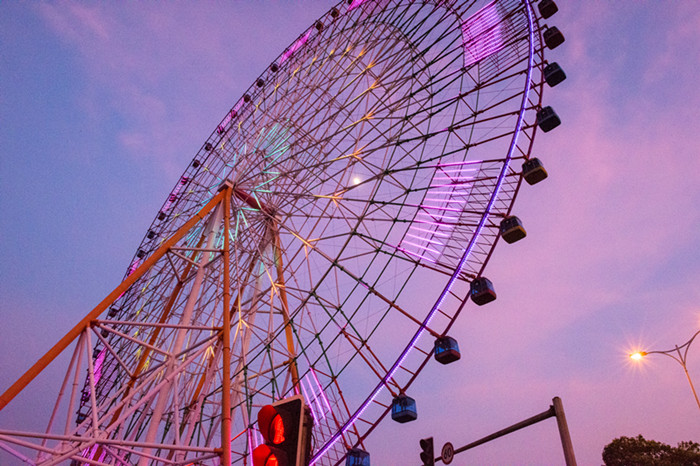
(103, 105)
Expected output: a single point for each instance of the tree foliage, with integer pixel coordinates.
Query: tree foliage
(638, 451)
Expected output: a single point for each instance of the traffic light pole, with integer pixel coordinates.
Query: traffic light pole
(555, 410)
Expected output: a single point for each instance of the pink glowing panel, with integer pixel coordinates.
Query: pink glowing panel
(231, 115)
(296, 46)
(174, 193)
(355, 4)
(441, 210)
(89, 453)
(134, 265)
(98, 365)
(482, 35)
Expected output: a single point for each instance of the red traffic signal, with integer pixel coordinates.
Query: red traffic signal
(285, 429)
(268, 456)
(271, 425)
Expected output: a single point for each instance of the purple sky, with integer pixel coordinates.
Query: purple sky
(102, 105)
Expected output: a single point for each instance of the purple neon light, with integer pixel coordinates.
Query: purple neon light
(296, 46)
(98, 365)
(425, 248)
(89, 452)
(481, 34)
(463, 260)
(463, 162)
(306, 396)
(438, 223)
(445, 192)
(355, 4)
(437, 233)
(449, 201)
(435, 207)
(230, 116)
(425, 239)
(174, 193)
(459, 170)
(453, 178)
(321, 391)
(316, 400)
(416, 254)
(253, 442)
(134, 265)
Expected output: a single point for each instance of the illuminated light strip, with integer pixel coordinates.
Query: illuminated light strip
(97, 372)
(133, 266)
(452, 177)
(430, 230)
(462, 170)
(464, 162)
(313, 401)
(251, 447)
(230, 116)
(266, 182)
(459, 170)
(459, 201)
(355, 4)
(323, 393)
(437, 207)
(425, 222)
(442, 217)
(425, 248)
(481, 34)
(425, 239)
(173, 195)
(417, 255)
(453, 184)
(88, 451)
(452, 180)
(306, 397)
(453, 192)
(462, 262)
(316, 402)
(296, 46)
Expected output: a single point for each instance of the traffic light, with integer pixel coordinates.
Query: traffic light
(427, 456)
(285, 427)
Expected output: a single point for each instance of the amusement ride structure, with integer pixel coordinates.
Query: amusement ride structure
(349, 200)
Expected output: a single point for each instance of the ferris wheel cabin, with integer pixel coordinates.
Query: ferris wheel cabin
(403, 409)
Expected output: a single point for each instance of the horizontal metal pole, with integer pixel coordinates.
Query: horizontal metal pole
(8, 436)
(520, 425)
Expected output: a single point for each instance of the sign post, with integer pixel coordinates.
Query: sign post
(555, 410)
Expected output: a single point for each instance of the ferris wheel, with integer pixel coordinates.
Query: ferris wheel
(322, 241)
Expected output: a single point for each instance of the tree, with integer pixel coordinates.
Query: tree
(627, 451)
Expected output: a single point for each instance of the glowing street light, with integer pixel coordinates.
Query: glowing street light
(680, 359)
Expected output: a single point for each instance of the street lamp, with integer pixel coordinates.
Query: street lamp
(680, 359)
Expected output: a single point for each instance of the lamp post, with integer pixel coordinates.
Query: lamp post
(681, 359)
